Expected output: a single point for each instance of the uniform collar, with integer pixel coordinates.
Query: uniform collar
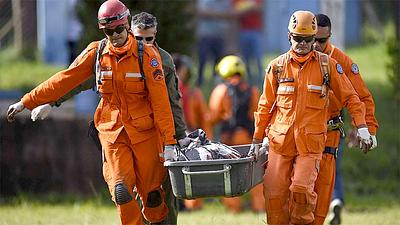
(313, 55)
(328, 48)
(131, 51)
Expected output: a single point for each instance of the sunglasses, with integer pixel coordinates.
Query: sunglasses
(148, 39)
(300, 39)
(322, 40)
(117, 30)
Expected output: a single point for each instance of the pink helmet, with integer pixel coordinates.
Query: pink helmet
(112, 13)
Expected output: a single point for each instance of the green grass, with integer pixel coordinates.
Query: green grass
(22, 74)
(377, 173)
(93, 213)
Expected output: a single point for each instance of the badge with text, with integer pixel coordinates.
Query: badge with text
(158, 75)
(354, 68)
(154, 62)
(339, 68)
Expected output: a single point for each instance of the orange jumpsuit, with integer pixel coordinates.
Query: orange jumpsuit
(293, 107)
(196, 115)
(221, 110)
(132, 116)
(326, 177)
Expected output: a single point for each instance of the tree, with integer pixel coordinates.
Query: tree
(175, 28)
(394, 54)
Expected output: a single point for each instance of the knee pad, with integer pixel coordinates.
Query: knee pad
(122, 194)
(154, 199)
(300, 198)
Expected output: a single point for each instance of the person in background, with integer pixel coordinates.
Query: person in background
(194, 107)
(213, 16)
(250, 17)
(291, 113)
(74, 30)
(133, 117)
(327, 179)
(232, 104)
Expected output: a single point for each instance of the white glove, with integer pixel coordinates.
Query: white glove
(184, 142)
(41, 112)
(365, 139)
(170, 153)
(374, 142)
(255, 148)
(13, 110)
(264, 146)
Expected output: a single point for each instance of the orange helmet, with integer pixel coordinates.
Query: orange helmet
(112, 13)
(303, 23)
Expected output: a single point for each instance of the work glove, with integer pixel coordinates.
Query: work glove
(170, 153)
(374, 142)
(255, 148)
(13, 110)
(184, 142)
(264, 146)
(365, 139)
(41, 112)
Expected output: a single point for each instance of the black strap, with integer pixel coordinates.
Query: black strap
(96, 65)
(331, 150)
(140, 59)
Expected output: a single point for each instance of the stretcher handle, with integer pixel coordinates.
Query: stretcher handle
(185, 170)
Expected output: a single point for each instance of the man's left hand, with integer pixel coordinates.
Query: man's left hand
(170, 153)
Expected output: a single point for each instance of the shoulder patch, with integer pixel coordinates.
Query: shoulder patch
(154, 63)
(354, 68)
(158, 75)
(339, 68)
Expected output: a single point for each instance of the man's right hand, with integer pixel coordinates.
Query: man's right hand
(13, 110)
(255, 148)
(41, 112)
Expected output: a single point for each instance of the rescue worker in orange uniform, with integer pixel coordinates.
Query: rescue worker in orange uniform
(232, 105)
(326, 178)
(132, 116)
(144, 28)
(292, 113)
(195, 109)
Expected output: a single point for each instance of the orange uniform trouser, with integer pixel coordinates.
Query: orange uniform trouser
(324, 187)
(135, 165)
(289, 181)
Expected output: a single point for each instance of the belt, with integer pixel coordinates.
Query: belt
(331, 150)
(336, 123)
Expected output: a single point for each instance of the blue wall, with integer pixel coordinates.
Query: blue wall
(52, 31)
(353, 22)
(277, 14)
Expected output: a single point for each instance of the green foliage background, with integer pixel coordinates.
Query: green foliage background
(175, 22)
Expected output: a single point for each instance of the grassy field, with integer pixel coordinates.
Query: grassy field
(91, 213)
